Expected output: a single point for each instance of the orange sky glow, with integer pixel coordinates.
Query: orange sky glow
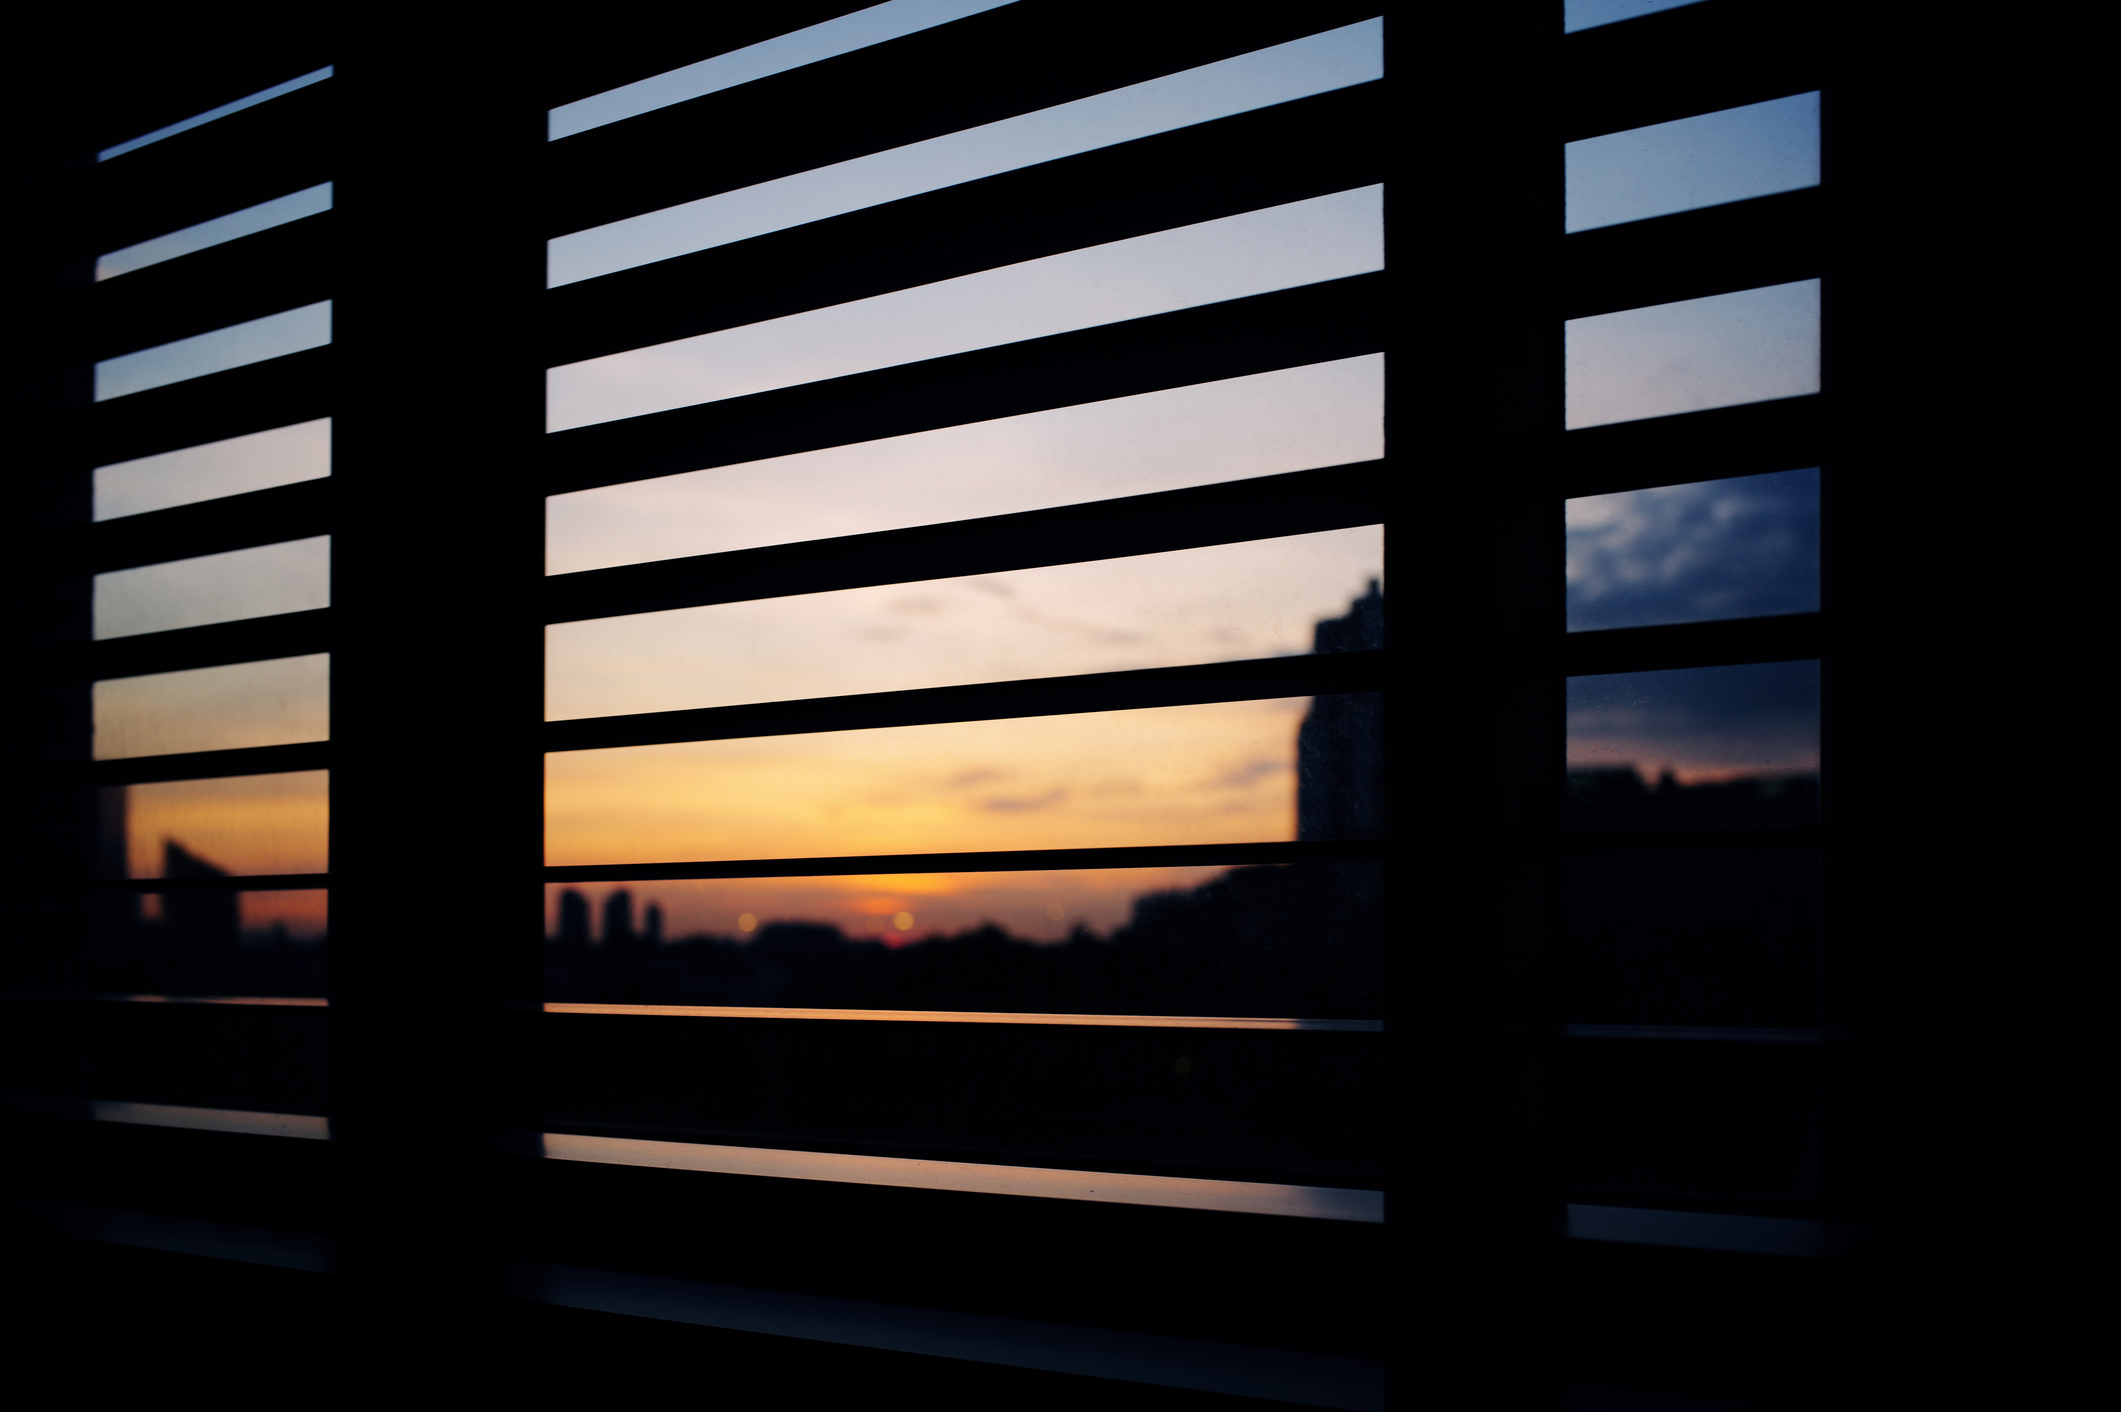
(1037, 906)
(1218, 773)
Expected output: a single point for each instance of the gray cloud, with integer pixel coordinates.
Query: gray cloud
(1024, 806)
(1248, 772)
(1739, 548)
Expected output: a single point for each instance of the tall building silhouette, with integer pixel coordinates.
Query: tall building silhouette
(116, 914)
(1340, 747)
(113, 831)
(618, 918)
(574, 921)
(203, 926)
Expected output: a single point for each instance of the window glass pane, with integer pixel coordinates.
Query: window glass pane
(1289, 941)
(1303, 242)
(284, 701)
(1216, 604)
(1695, 747)
(1220, 773)
(1317, 64)
(1718, 351)
(236, 346)
(1739, 548)
(261, 96)
(779, 54)
(215, 588)
(1755, 150)
(1724, 940)
(258, 461)
(237, 224)
(1588, 14)
(247, 825)
(1324, 414)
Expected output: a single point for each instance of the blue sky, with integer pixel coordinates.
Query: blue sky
(840, 35)
(1281, 247)
(216, 351)
(1221, 603)
(1721, 350)
(1704, 160)
(310, 201)
(1589, 14)
(1702, 723)
(1711, 549)
(263, 95)
(1281, 73)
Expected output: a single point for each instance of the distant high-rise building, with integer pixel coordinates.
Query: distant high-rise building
(204, 925)
(574, 921)
(618, 919)
(1340, 747)
(117, 914)
(113, 831)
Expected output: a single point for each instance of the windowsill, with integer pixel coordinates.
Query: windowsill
(1309, 1379)
(1850, 1241)
(178, 1235)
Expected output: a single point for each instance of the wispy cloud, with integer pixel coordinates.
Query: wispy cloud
(1048, 800)
(1250, 773)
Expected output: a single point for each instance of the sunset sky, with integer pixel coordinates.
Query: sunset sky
(1221, 773)
(1702, 723)
(254, 824)
(281, 701)
(1320, 414)
(305, 911)
(1222, 603)
(1037, 906)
